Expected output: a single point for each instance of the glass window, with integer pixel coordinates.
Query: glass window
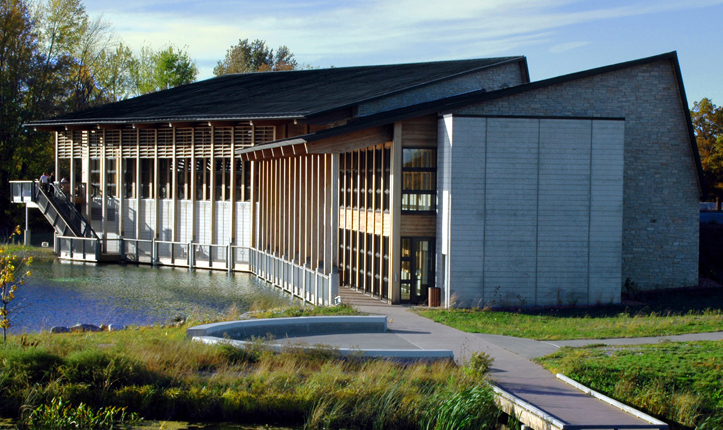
(419, 180)
(164, 178)
(147, 176)
(111, 177)
(129, 178)
(183, 178)
(95, 177)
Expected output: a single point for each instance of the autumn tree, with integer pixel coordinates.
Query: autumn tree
(12, 276)
(56, 59)
(20, 101)
(708, 125)
(247, 57)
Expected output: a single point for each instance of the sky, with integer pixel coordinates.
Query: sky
(557, 36)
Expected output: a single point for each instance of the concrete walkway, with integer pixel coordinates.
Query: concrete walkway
(512, 370)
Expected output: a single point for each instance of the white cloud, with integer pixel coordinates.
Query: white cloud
(345, 31)
(562, 47)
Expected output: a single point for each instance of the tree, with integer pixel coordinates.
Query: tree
(164, 69)
(115, 78)
(247, 57)
(21, 100)
(12, 275)
(708, 125)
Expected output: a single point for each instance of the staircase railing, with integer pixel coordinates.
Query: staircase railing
(54, 198)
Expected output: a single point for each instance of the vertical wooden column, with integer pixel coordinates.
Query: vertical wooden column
(307, 209)
(253, 165)
(212, 185)
(300, 223)
(294, 222)
(103, 188)
(120, 190)
(331, 260)
(263, 202)
(258, 167)
(375, 288)
(57, 164)
(324, 203)
(358, 281)
(367, 245)
(395, 212)
(273, 218)
(72, 167)
(156, 186)
(193, 169)
(138, 184)
(86, 177)
(383, 225)
(265, 196)
(232, 187)
(283, 200)
(174, 187)
(315, 217)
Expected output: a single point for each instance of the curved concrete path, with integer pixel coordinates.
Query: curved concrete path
(512, 371)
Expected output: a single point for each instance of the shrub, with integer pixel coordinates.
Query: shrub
(59, 415)
(479, 364)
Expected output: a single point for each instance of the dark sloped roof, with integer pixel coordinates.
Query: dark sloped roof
(461, 100)
(290, 94)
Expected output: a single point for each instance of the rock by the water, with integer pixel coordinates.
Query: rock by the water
(116, 327)
(59, 329)
(84, 327)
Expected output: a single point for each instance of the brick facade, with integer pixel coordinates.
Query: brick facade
(660, 191)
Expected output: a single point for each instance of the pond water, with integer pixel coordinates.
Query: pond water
(64, 294)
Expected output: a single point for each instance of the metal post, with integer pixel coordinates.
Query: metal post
(333, 284)
(229, 257)
(154, 252)
(26, 238)
(191, 256)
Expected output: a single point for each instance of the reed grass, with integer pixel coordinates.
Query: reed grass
(160, 375)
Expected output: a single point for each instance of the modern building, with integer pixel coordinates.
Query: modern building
(457, 178)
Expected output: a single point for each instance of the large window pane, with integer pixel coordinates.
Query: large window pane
(419, 158)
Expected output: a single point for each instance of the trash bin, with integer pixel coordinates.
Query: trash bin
(434, 295)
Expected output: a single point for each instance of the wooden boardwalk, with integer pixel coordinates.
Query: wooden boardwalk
(558, 404)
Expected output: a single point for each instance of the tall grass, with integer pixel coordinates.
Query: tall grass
(159, 374)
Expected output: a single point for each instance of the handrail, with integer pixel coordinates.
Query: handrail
(62, 205)
(60, 196)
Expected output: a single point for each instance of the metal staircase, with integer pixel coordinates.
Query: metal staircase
(56, 207)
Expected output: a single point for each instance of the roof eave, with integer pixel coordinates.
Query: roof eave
(99, 122)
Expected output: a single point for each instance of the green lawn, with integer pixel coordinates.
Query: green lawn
(662, 314)
(674, 381)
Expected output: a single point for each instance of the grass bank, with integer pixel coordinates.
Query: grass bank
(658, 313)
(38, 254)
(674, 381)
(161, 375)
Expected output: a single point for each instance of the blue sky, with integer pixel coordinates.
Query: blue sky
(557, 36)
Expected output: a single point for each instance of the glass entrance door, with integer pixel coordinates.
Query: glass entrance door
(417, 269)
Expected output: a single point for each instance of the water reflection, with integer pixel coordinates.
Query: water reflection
(62, 294)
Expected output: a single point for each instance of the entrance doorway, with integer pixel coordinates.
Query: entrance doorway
(417, 266)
